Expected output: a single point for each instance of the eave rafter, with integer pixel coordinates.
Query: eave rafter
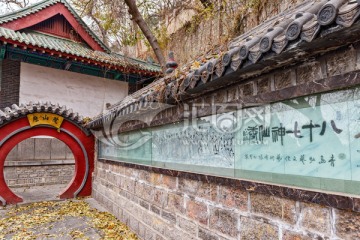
(70, 57)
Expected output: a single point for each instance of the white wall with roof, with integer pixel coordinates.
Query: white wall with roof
(85, 94)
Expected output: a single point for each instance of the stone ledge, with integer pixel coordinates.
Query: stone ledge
(38, 163)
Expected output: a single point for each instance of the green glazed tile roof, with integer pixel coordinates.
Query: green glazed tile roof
(44, 4)
(74, 48)
(64, 45)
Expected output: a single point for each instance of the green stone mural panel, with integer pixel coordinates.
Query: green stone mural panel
(134, 147)
(199, 146)
(310, 142)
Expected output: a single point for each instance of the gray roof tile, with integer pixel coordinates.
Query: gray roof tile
(288, 31)
(15, 112)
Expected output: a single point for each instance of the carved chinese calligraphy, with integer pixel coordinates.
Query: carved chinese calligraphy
(36, 119)
(314, 138)
(201, 145)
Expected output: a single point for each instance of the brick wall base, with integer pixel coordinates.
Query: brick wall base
(38, 175)
(159, 206)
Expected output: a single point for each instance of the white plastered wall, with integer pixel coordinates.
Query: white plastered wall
(85, 94)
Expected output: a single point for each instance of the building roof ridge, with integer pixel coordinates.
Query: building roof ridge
(135, 59)
(54, 43)
(36, 7)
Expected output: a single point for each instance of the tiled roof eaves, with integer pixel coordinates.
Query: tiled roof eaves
(301, 33)
(75, 49)
(137, 60)
(44, 4)
(15, 112)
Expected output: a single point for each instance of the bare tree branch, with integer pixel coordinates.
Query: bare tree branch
(137, 17)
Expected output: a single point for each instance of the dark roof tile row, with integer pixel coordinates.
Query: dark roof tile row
(289, 30)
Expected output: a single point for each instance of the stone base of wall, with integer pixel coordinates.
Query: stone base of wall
(27, 176)
(160, 206)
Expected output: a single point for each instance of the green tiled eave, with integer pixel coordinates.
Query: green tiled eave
(44, 4)
(74, 48)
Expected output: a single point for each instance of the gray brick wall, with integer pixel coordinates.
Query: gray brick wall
(39, 161)
(10, 83)
(160, 206)
(27, 176)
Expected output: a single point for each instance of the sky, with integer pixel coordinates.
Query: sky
(5, 9)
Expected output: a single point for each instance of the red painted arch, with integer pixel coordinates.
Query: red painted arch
(81, 144)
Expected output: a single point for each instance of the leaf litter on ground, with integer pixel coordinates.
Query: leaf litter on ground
(41, 220)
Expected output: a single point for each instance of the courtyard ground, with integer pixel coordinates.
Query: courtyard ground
(70, 219)
(39, 193)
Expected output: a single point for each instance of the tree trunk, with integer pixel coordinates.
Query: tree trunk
(136, 16)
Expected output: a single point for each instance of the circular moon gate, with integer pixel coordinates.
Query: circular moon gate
(80, 143)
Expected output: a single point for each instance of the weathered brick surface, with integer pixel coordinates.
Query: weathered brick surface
(155, 209)
(233, 94)
(144, 191)
(189, 186)
(168, 182)
(207, 191)
(263, 85)
(308, 72)
(187, 225)
(290, 235)
(341, 62)
(274, 207)
(233, 197)
(175, 211)
(283, 79)
(316, 218)
(197, 211)
(169, 216)
(176, 203)
(155, 179)
(347, 225)
(207, 235)
(197, 188)
(160, 197)
(252, 229)
(128, 185)
(248, 89)
(225, 221)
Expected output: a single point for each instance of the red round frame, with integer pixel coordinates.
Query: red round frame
(81, 144)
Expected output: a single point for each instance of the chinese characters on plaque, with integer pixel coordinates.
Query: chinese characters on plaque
(50, 119)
